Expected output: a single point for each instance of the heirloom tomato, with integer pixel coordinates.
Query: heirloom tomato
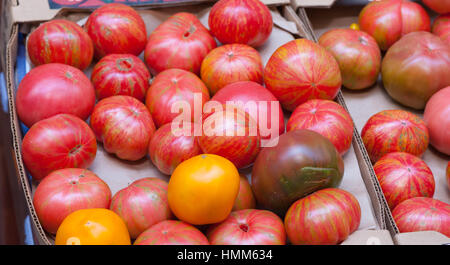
(245, 198)
(437, 119)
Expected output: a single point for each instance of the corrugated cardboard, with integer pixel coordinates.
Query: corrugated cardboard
(312, 3)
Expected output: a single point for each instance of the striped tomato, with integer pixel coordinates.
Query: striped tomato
(116, 28)
(231, 133)
(124, 126)
(179, 42)
(172, 232)
(422, 214)
(441, 27)
(66, 190)
(394, 131)
(142, 204)
(171, 146)
(326, 217)
(231, 63)
(120, 74)
(61, 141)
(301, 70)
(248, 227)
(172, 86)
(245, 198)
(241, 21)
(403, 176)
(327, 118)
(60, 41)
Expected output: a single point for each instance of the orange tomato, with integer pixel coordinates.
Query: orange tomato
(93, 227)
(202, 189)
(354, 26)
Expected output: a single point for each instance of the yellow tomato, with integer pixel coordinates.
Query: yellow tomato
(202, 189)
(93, 227)
(354, 26)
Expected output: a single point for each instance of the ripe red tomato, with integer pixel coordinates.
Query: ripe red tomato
(439, 6)
(248, 93)
(231, 63)
(245, 198)
(422, 214)
(172, 232)
(441, 27)
(357, 54)
(171, 146)
(388, 20)
(61, 141)
(232, 134)
(437, 119)
(124, 126)
(248, 227)
(394, 131)
(171, 86)
(415, 68)
(301, 70)
(326, 217)
(448, 175)
(179, 42)
(142, 204)
(327, 118)
(116, 28)
(403, 176)
(241, 21)
(52, 89)
(66, 190)
(120, 74)
(60, 41)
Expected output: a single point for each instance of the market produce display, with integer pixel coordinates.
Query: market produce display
(199, 108)
(441, 27)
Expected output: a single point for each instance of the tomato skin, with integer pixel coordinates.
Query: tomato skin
(203, 189)
(170, 86)
(120, 74)
(403, 176)
(142, 204)
(172, 232)
(326, 217)
(51, 89)
(96, 226)
(167, 150)
(60, 41)
(62, 141)
(448, 175)
(327, 118)
(439, 6)
(241, 21)
(292, 77)
(248, 227)
(245, 198)
(65, 191)
(437, 118)
(179, 42)
(124, 126)
(422, 214)
(441, 27)
(406, 132)
(116, 28)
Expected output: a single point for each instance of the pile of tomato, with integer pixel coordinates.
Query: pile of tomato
(138, 108)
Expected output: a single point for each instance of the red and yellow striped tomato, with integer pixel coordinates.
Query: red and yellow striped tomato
(248, 227)
(172, 232)
(124, 125)
(65, 191)
(231, 63)
(301, 70)
(422, 214)
(403, 176)
(326, 217)
(179, 42)
(171, 146)
(142, 204)
(60, 41)
(241, 21)
(231, 134)
(171, 86)
(120, 74)
(394, 131)
(327, 118)
(116, 28)
(441, 27)
(245, 198)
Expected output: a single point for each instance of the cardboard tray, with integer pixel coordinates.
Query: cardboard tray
(118, 174)
(362, 105)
